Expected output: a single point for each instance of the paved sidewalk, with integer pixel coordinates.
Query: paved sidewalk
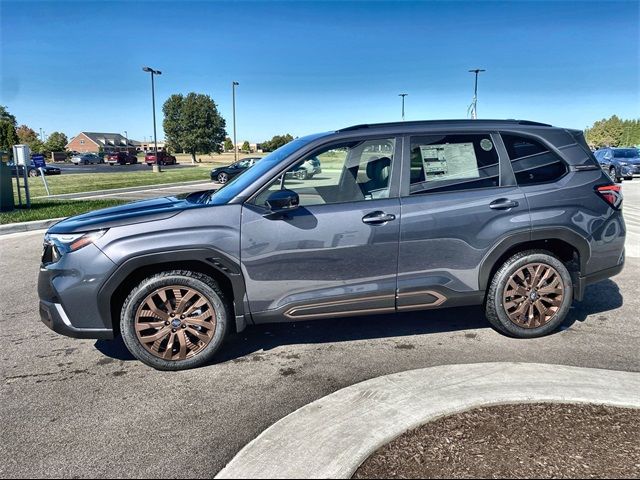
(331, 437)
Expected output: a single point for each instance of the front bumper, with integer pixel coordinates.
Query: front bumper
(69, 293)
(54, 317)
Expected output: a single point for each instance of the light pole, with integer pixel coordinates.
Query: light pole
(156, 167)
(235, 144)
(126, 140)
(403, 95)
(473, 108)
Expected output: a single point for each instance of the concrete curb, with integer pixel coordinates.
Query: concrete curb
(28, 226)
(331, 437)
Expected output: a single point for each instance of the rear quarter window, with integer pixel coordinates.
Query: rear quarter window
(532, 162)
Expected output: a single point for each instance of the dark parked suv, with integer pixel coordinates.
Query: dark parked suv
(514, 215)
(619, 162)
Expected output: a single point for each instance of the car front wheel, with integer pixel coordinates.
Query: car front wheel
(175, 320)
(614, 176)
(530, 295)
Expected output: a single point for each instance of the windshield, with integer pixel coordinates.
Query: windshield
(239, 183)
(625, 153)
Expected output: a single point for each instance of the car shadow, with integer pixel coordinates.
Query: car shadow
(598, 298)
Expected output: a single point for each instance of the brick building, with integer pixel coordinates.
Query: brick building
(95, 142)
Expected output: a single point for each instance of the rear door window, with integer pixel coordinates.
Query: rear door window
(532, 162)
(441, 163)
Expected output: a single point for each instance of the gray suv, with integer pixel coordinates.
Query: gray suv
(516, 216)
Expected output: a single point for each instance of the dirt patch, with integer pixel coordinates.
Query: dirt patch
(516, 441)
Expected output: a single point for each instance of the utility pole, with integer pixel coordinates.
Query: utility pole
(403, 95)
(473, 108)
(126, 140)
(156, 167)
(235, 144)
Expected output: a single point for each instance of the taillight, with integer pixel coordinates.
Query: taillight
(612, 194)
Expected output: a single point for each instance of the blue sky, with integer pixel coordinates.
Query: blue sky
(314, 66)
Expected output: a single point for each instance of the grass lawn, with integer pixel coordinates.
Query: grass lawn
(44, 209)
(89, 182)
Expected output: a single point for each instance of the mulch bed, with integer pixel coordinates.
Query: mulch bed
(516, 441)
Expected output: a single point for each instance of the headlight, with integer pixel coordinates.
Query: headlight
(623, 164)
(70, 242)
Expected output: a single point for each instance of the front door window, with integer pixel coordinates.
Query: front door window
(347, 172)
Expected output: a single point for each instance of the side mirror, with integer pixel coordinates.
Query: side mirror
(282, 200)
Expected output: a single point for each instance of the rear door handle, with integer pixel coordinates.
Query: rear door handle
(503, 204)
(378, 218)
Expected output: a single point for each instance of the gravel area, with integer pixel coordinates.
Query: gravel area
(516, 441)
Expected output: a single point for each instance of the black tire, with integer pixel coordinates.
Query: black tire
(205, 286)
(495, 310)
(614, 176)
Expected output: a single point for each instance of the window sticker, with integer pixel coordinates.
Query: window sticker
(486, 144)
(448, 161)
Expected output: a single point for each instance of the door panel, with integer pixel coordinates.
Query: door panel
(459, 199)
(320, 260)
(445, 236)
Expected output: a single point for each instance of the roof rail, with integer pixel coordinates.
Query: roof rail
(441, 122)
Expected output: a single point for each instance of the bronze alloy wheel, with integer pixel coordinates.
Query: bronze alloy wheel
(175, 322)
(533, 295)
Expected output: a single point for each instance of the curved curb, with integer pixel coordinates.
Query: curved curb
(331, 437)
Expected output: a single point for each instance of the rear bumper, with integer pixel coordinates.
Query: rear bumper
(582, 282)
(54, 317)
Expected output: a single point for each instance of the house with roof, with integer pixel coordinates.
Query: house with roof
(97, 142)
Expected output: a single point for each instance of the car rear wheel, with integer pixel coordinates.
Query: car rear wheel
(33, 173)
(175, 320)
(223, 177)
(530, 295)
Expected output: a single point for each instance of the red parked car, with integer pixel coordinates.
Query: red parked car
(121, 158)
(163, 157)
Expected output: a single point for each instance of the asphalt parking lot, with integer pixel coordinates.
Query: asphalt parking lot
(84, 408)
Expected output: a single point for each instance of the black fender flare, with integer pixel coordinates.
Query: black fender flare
(511, 241)
(209, 257)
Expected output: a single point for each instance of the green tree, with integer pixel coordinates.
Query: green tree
(276, 142)
(192, 123)
(228, 145)
(246, 148)
(27, 136)
(8, 134)
(56, 142)
(613, 132)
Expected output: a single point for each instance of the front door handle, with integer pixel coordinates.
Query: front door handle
(503, 204)
(378, 218)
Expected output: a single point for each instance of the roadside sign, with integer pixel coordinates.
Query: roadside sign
(38, 161)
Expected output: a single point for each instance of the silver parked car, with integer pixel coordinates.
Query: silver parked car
(86, 159)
